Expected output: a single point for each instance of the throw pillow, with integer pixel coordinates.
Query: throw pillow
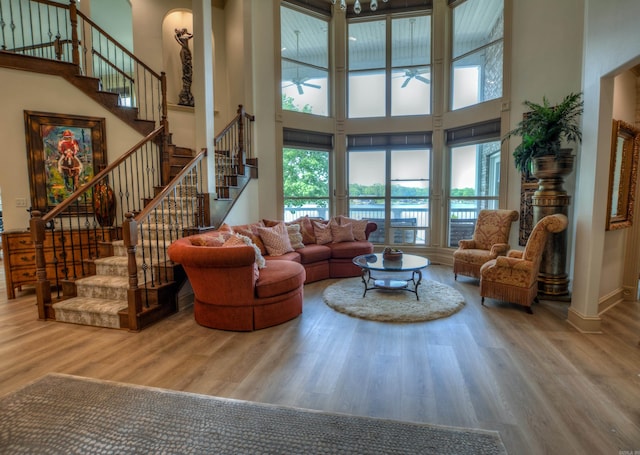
(213, 238)
(238, 240)
(322, 232)
(306, 229)
(254, 236)
(295, 237)
(359, 226)
(341, 233)
(276, 239)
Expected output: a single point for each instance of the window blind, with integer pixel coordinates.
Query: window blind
(307, 139)
(479, 132)
(380, 141)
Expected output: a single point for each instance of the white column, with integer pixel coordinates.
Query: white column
(202, 84)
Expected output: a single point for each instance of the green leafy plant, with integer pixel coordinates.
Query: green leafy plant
(544, 128)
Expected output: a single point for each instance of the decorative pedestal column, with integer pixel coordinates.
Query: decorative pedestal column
(550, 198)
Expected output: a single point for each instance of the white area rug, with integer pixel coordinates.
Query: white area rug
(437, 300)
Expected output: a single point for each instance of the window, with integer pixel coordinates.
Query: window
(305, 174)
(305, 62)
(390, 186)
(478, 27)
(475, 182)
(407, 61)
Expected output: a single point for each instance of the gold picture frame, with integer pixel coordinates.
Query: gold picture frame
(623, 174)
(64, 152)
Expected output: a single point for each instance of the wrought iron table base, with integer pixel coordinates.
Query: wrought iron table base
(389, 284)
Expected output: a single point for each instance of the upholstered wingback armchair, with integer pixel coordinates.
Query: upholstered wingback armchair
(490, 240)
(514, 277)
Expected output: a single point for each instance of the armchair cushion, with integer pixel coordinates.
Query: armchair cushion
(490, 240)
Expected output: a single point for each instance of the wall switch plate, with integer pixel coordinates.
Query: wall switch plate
(21, 202)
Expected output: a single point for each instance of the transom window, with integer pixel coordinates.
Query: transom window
(478, 28)
(305, 62)
(402, 69)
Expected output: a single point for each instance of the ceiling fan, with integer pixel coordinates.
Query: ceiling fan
(298, 81)
(413, 73)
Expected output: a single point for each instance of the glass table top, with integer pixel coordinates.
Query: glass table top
(375, 261)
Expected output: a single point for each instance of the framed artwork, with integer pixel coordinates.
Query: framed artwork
(623, 173)
(63, 152)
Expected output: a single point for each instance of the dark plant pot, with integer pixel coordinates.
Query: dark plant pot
(551, 170)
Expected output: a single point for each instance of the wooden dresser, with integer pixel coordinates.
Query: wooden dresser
(20, 256)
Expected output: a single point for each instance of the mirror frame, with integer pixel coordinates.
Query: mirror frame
(622, 175)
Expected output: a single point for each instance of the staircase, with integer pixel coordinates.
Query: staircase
(102, 299)
(155, 189)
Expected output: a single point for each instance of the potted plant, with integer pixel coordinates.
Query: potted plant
(544, 128)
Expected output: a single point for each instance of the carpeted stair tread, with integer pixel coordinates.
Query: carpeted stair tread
(90, 311)
(116, 266)
(103, 286)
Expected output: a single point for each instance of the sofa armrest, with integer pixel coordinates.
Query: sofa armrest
(183, 252)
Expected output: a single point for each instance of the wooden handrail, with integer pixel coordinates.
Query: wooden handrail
(117, 44)
(145, 212)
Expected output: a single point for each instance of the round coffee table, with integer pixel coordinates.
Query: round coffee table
(376, 263)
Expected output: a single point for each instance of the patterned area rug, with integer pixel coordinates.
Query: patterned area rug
(60, 414)
(437, 300)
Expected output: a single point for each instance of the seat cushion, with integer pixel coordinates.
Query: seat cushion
(349, 250)
(279, 277)
(290, 256)
(314, 253)
(473, 256)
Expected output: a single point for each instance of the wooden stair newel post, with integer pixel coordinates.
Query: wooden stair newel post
(43, 286)
(130, 237)
(73, 18)
(240, 157)
(166, 160)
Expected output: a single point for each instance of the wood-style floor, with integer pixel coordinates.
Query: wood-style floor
(545, 387)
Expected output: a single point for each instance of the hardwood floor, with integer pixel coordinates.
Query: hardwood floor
(545, 387)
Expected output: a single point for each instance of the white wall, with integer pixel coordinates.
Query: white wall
(612, 45)
(22, 90)
(615, 242)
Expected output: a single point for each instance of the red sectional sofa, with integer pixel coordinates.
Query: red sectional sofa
(236, 287)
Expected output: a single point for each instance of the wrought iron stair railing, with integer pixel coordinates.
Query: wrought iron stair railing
(59, 32)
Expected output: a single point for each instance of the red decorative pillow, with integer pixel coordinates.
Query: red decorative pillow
(276, 239)
(214, 238)
(239, 240)
(341, 233)
(254, 236)
(322, 232)
(306, 229)
(359, 226)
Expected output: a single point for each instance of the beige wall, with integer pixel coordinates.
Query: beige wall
(20, 91)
